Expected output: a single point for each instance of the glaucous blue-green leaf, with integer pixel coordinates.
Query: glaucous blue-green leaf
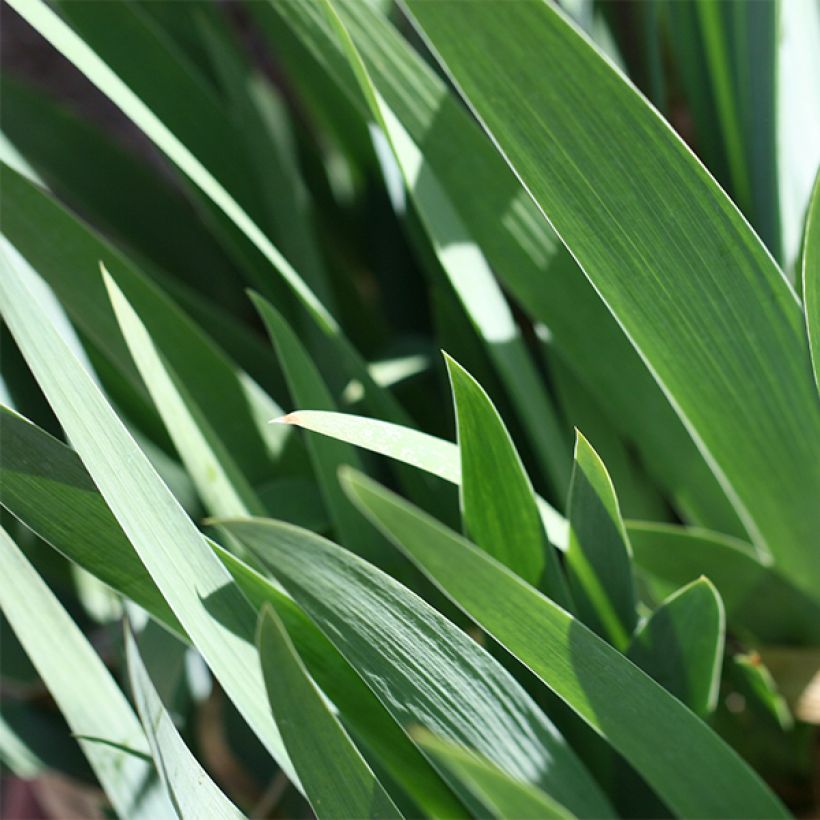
(497, 498)
(507, 227)
(689, 767)
(194, 582)
(811, 279)
(419, 664)
(61, 504)
(336, 778)
(502, 795)
(190, 789)
(429, 453)
(469, 274)
(83, 688)
(670, 557)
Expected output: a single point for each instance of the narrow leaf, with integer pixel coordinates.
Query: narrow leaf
(62, 505)
(196, 585)
(692, 286)
(811, 278)
(83, 688)
(671, 556)
(221, 485)
(591, 677)
(599, 560)
(190, 790)
(429, 453)
(419, 664)
(501, 794)
(497, 498)
(469, 274)
(308, 388)
(337, 780)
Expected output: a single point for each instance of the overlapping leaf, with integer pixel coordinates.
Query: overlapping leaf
(692, 286)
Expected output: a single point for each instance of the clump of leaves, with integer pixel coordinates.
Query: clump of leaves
(602, 599)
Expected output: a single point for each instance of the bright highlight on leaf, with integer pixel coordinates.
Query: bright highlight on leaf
(424, 603)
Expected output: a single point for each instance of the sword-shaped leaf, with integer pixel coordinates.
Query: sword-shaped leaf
(419, 664)
(690, 768)
(681, 645)
(190, 789)
(497, 499)
(690, 283)
(337, 780)
(92, 704)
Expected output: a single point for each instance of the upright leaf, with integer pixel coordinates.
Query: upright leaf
(308, 389)
(497, 498)
(469, 274)
(690, 768)
(196, 585)
(690, 283)
(419, 664)
(219, 480)
(190, 789)
(811, 278)
(61, 504)
(599, 560)
(92, 704)
(670, 557)
(681, 645)
(506, 225)
(337, 780)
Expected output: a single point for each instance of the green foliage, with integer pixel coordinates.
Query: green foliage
(410, 596)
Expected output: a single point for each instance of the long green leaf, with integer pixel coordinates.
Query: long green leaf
(61, 36)
(70, 262)
(418, 663)
(501, 794)
(599, 561)
(45, 485)
(681, 645)
(692, 286)
(469, 274)
(219, 480)
(688, 765)
(519, 245)
(62, 146)
(308, 388)
(811, 279)
(429, 453)
(190, 789)
(196, 585)
(497, 499)
(337, 780)
(83, 688)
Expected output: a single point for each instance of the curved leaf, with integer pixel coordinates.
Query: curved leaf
(681, 644)
(83, 688)
(61, 504)
(418, 663)
(677, 754)
(503, 795)
(190, 790)
(690, 283)
(337, 780)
